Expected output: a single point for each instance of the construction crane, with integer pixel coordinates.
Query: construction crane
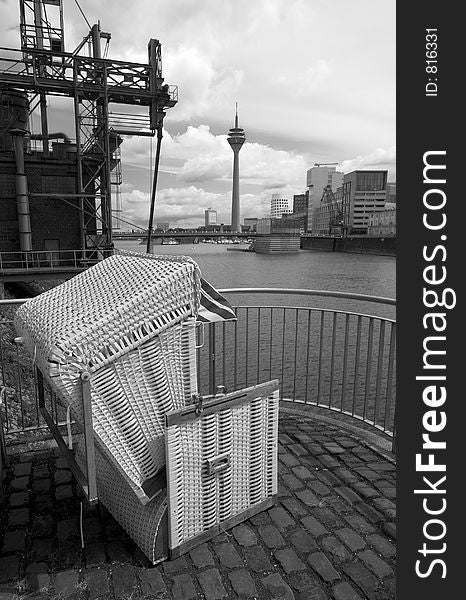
(325, 164)
(42, 68)
(336, 217)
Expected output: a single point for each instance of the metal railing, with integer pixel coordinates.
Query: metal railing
(18, 381)
(334, 357)
(61, 71)
(48, 259)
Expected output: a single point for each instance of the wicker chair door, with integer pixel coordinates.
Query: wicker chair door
(221, 463)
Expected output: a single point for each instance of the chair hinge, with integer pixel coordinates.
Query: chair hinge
(198, 401)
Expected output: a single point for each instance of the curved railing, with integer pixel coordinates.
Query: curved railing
(315, 293)
(331, 357)
(336, 356)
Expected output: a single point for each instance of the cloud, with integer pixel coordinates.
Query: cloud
(381, 158)
(305, 83)
(184, 207)
(265, 166)
(9, 26)
(202, 156)
(260, 165)
(300, 70)
(307, 75)
(203, 85)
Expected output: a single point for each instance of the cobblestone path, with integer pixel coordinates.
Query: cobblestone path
(331, 534)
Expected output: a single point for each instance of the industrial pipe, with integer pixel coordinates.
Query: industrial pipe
(22, 200)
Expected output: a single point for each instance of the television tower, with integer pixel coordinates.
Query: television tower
(236, 139)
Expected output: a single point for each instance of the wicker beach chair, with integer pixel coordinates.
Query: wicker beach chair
(128, 324)
(117, 344)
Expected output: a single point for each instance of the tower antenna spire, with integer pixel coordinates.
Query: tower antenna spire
(236, 115)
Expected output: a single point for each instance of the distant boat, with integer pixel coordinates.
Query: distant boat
(172, 242)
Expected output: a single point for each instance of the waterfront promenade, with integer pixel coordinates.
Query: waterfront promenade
(331, 534)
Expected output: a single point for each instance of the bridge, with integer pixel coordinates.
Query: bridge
(200, 235)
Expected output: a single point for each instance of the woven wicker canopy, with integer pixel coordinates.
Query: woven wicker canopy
(129, 322)
(108, 310)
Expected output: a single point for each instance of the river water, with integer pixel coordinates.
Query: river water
(318, 353)
(311, 269)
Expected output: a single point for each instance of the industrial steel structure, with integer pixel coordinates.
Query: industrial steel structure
(331, 216)
(98, 86)
(335, 211)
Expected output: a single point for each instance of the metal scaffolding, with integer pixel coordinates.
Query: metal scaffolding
(42, 68)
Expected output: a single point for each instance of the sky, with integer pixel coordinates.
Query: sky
(314, 81)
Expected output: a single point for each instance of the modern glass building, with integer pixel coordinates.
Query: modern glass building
(367, 194)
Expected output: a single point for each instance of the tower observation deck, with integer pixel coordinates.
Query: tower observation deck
(236, 139)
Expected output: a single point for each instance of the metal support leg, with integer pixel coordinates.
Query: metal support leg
(88, 483)
(89, 437)
(212, 349)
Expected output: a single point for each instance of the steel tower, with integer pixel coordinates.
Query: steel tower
(236, 139)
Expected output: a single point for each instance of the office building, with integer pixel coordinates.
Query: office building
(391, 192)
(299, 219)
(210, 217)
(162, 225)
(383, 223)
(300, 202)
(277, 235)
(279, 205)
(250, 223)
(367, 193)
(300, 211)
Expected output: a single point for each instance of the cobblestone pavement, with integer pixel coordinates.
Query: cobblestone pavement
(331, 534)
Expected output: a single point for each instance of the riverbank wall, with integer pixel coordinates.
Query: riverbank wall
(276, 243)
(356, 245)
